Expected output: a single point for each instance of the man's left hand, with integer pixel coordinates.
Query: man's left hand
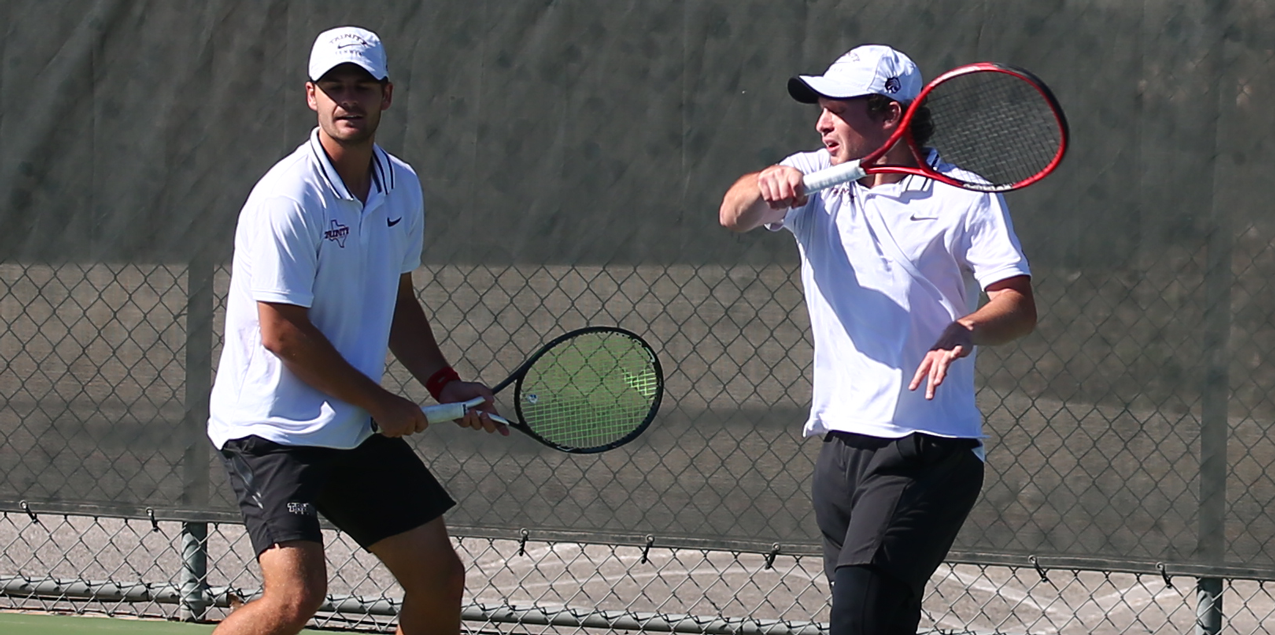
(458, 391)
(957, 341)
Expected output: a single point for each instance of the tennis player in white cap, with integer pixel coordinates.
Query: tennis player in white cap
(320, 289)
(892, 266)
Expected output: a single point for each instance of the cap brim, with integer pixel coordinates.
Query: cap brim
(807, 89)
(355, 63)
(801, 91)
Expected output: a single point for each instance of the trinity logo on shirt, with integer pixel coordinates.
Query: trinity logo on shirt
(301, 509)
(338, 233)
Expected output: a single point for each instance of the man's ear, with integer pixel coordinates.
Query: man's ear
(310, 100)
(388, 93)
(894, 114)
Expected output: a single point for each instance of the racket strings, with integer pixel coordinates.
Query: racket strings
(590, 391)
(996, 126)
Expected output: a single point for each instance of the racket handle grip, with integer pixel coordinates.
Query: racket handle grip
(835, 175)
(445, 412)
(453, 411)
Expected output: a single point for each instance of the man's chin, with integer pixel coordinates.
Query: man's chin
(843, 157)
(347, 136)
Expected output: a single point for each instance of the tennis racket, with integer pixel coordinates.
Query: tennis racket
(587, 391)
(1000, 124)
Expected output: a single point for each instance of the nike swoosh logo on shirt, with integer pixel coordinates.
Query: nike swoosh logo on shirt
(393, 222)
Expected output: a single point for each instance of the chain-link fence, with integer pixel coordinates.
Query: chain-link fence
(527, 585)
(573, 155)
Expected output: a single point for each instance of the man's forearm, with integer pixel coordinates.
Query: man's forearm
(743, 208)
(1009, 314)
(412, 338)
(307, 353)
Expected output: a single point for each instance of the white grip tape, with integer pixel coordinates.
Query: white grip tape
(453, 411)
(835, 175)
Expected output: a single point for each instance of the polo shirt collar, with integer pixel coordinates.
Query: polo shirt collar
(382, 169)
(910, 183)
(915, 183)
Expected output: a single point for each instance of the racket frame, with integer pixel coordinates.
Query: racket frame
(517, 376)
(857, 169)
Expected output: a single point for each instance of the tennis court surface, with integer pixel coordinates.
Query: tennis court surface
(41, 624)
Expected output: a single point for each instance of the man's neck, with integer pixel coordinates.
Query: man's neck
(353, 164)
(900, 154)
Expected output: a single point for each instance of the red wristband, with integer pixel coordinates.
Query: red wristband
(442, 377)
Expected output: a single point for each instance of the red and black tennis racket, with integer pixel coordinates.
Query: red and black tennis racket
(999, 124)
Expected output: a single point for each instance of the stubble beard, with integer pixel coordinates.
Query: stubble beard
(351, 138)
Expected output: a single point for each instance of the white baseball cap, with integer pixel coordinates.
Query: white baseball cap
(348, 44)
(871, 69)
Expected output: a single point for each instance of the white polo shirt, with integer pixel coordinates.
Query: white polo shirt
(304, 239)
(873, 321)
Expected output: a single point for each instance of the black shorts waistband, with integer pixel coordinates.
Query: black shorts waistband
(868, 442)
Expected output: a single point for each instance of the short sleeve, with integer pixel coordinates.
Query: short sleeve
(992, 250)
(416, 242)
(283, 252)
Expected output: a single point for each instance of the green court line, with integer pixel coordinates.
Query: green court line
(39, 624)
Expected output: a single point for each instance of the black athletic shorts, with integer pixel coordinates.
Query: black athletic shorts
(377, 490)
(894, 504)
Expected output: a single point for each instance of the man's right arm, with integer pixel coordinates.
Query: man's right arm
(286, 331)
(762, 198)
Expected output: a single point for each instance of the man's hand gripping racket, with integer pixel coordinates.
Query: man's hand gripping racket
(587, 391)
(1000, 124)
(453, 411)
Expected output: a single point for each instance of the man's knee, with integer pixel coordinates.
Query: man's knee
(455, 576)
(296, 583)
(424, 562)
(296, 604)
(445, 576)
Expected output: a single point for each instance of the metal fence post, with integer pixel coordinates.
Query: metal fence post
(194, 578)
(199, 320)
(1214, 425)
(1208, 606)
(1215, 400)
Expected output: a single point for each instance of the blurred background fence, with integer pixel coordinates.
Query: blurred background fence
(573, 154)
